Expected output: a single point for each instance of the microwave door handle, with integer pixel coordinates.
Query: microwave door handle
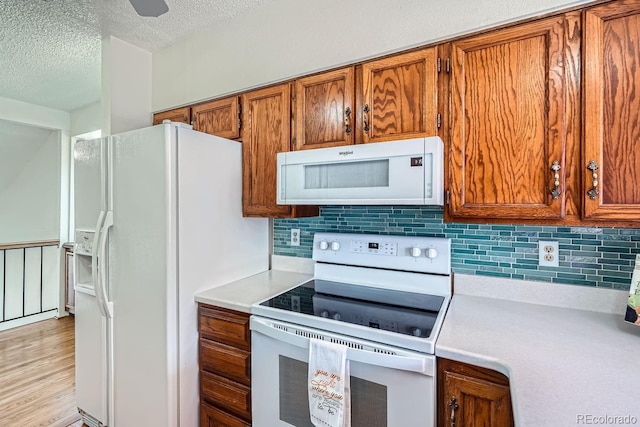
(417, 364)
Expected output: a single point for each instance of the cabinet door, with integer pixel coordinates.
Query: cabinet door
(472, 396)
(612, 111)
(324, 112)
(507, 109)
(181, 115)
(266, 132)
(220, 117)
(397, 97)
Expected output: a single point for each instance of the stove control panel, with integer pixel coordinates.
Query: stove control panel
(374, 248)
(409, 253)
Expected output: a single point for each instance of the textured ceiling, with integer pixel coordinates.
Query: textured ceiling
(50, 49)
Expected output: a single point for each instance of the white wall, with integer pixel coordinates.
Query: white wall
(86, 119)
(126, 87)
(31, 201)
(35, 115)
(58, 158)
(289, 38)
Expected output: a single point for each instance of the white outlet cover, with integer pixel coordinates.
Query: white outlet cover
(295, 237)
(548, 253)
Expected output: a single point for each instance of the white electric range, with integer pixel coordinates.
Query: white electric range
(382, 296)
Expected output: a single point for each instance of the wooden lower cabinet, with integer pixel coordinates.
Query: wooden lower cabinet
(210, 416)
(470, 396)
(225, 367)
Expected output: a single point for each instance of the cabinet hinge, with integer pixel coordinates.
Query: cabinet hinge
(447, 197)
(239, 116)
(448, 65)
(439, 121)
(439, 65)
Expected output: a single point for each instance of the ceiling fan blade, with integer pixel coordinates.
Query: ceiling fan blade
(153, 8)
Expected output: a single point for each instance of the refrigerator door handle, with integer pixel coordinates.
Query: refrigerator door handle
(95, 274)
(107, 306)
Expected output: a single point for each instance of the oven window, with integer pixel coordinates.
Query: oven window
(368, 399)
(364, 174)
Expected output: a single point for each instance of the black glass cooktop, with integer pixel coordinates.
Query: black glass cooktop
(397, 311)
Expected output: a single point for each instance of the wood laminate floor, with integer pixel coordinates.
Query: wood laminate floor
(37, 375)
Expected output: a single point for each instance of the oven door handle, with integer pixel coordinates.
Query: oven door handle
(421, 364)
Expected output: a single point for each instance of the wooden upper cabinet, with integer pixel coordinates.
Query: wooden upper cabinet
(220, 117)
(397, 97)
(324, 110)
(181, 115)
(611, 63)
(266, 132)
(507, 129)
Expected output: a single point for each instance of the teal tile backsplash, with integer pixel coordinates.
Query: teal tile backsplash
(591, 256)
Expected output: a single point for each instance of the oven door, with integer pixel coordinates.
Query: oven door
(389, 387)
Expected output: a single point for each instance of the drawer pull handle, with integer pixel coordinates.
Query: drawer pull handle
(555, 167)
(593, 192)
(453, 404)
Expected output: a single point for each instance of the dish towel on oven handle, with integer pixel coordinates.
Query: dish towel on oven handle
(329, 391)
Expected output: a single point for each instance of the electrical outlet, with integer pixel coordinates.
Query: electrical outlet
(295, 303)
(548, 253)
(295, 237)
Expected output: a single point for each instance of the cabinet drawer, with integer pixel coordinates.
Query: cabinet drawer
(227, 394)
(213, 417)
(227, 361)
(227, 326)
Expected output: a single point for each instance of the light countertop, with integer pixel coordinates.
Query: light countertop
(239, 295)
(562, 363)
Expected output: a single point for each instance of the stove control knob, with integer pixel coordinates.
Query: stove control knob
(416, 252)
(431, 253)
(335, 246)
(324, 313)
(324, 245)
(416, 332)
(336, 316)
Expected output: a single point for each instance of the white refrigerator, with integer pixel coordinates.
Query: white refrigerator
(158, 216)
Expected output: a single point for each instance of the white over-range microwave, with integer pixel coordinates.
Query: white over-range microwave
(406, 172)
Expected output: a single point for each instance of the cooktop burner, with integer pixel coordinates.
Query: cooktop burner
(383, 288)
(396, 311)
